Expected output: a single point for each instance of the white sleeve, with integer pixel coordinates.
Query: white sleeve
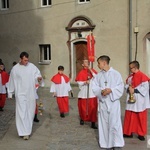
(118, 90)
(38, 74)
(69, 86)
(143, 88)
(11, 85)
(52, 88)
(97, 89)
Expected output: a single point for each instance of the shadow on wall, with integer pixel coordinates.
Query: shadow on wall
(21, 30)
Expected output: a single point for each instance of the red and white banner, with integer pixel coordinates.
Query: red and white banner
(91, 47)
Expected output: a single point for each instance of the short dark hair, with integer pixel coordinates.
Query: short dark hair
(14, 63)
(1, 63)
(61, 68)
(135, 63)
(105, 58)
(24, 54)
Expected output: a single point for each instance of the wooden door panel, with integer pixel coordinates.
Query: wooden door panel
(81, 53)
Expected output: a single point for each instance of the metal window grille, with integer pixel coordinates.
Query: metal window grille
(4, 4)
(46, 2)
(45, 52)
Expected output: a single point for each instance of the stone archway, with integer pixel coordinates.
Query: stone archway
(147, 52)
(78, 29)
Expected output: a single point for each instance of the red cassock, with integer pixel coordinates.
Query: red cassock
(4, 79)
(36, 109)
(91, 103)
(63, 102)
(136, 122)
(87, 107)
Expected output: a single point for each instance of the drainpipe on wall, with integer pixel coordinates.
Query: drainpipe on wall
(136, 30)
(130, 31)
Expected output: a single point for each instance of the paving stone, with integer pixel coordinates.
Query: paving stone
(54, 132)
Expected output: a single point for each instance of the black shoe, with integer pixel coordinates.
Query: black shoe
(93, 125)
(1, 109)
(35, 118)
(62, 115)
(142, 138)
(128, 136)
(81, 122)
(116, 148)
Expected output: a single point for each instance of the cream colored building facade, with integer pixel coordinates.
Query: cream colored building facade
(55, 33)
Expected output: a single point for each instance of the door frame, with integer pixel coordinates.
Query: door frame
(73, 58)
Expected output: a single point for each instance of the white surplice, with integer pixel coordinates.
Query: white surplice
(22, 83)
(85, 90)
(142, 98)
(109, 111)
(60, 89)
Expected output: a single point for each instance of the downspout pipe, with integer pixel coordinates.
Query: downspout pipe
(130, 30)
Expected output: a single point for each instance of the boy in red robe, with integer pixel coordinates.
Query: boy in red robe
(60, 88)
(3, 80)
(87, 101)
(135, 120)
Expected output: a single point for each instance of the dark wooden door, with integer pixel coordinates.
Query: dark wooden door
(81, 53)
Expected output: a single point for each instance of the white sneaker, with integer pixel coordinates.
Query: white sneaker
(26, 137)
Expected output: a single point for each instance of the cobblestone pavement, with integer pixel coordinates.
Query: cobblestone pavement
(6, 116)
(55, 133)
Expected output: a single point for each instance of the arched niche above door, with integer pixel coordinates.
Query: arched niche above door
(82, 23)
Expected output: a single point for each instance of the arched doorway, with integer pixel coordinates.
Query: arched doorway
(78, 30)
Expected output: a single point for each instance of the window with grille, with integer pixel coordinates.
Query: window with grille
(45, 53)
(83, 1)
(4, 4)
(45, 3)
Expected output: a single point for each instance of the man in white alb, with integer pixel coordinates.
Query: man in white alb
(22, 81)
(108, 86)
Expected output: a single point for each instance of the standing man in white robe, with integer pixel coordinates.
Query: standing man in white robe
(22, 81)
(108, 86)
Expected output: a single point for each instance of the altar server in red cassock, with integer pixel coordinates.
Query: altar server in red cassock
(3, 81)
(60, 88)
(135, 120)
(87, 101)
